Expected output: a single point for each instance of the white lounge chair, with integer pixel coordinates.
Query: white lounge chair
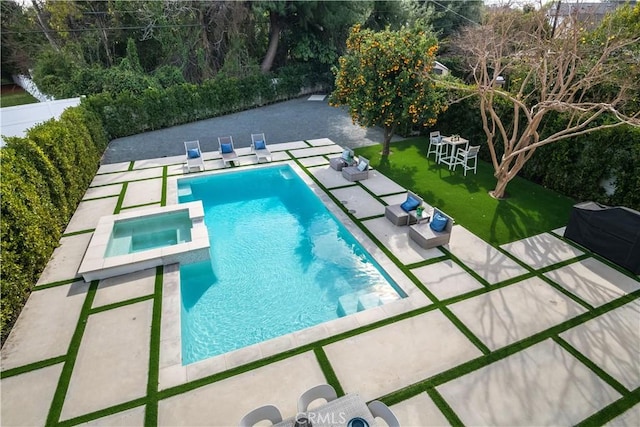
(259, 147)
(322, 391)
(266, 412)
(227, 150)
(380, 410)
(194, 155)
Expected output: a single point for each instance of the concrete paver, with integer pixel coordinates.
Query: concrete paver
(295, 145)
(612, 341)
(419, 411)
(314, 161)
(360, 203)
(316, 151)
(125, 287)
(515, 312)
(543, 385)
(320, 142)
(66, 258)
(26, 398)
(488, 262)
(162, 161)
(45, 326)
(131, 418)
(395, 199)
(328, 177)
(379, 184)
(114, 167)
(542, 250)
(394, 356)
(143, 192)
(107, 190)
(397, 240)
(113, 360)
(225, 402)
(119, 177)
(630, 418)
(593, 281)
(89, 212)
(446, 279)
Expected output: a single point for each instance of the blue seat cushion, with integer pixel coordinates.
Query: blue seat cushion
(362, 166)
(226, 148)
(410, 204)
(439, 222)
(346, 155)
(260, 145)
(193, 153)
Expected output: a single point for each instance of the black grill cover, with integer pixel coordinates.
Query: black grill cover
(613, 232)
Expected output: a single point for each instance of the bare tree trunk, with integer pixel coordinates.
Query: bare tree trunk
(274, 38)
(44, 25)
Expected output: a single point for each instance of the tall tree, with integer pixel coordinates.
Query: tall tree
(591, 77)
(383, 79)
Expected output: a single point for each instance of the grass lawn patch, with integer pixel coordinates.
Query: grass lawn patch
(530, 208)
(16, 98)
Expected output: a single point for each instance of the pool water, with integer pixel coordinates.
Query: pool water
(141, 234)
(280, 262)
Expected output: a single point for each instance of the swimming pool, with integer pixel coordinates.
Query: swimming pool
(280, 262)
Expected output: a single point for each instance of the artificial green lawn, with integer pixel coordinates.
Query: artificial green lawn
(529, 210)
(18, 98)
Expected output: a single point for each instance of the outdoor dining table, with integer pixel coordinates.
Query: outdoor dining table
(452, 145)
(336, 413)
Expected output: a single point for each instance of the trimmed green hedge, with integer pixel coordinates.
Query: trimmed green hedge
(127, 113)
(44, 177)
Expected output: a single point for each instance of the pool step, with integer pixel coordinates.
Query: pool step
(358, 301)
(184, 191)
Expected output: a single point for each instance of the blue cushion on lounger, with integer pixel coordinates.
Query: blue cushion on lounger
(260, 145)
(226, 148)
(193, 153)
(362, 166)
(410, 204)
(439, 222)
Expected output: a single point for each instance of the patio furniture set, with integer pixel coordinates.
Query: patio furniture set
(352, 170)
(428, 226)
(227, 151)
(449, 150)
(349, 410)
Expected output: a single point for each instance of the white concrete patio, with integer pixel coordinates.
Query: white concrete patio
(541, 384)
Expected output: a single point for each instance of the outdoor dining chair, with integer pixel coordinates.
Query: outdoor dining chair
(266, 412)
(379, 409)
(435, 145)
(463, 157)
(322, 391)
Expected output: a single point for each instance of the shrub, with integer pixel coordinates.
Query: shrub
(44, 176)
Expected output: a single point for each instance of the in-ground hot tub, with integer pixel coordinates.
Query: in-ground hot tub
(147, 238)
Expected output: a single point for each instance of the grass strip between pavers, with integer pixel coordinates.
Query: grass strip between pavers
(151, 412)
(75, 233)
(72, 353)
(163, 192)
(610, 412)
(327, 370)
(130, 168)
(119, 304)
(499, 354)
(32, 366)
(103, 412)
(54, 284)
(615, 384)
(444, 407)
(118, 207)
